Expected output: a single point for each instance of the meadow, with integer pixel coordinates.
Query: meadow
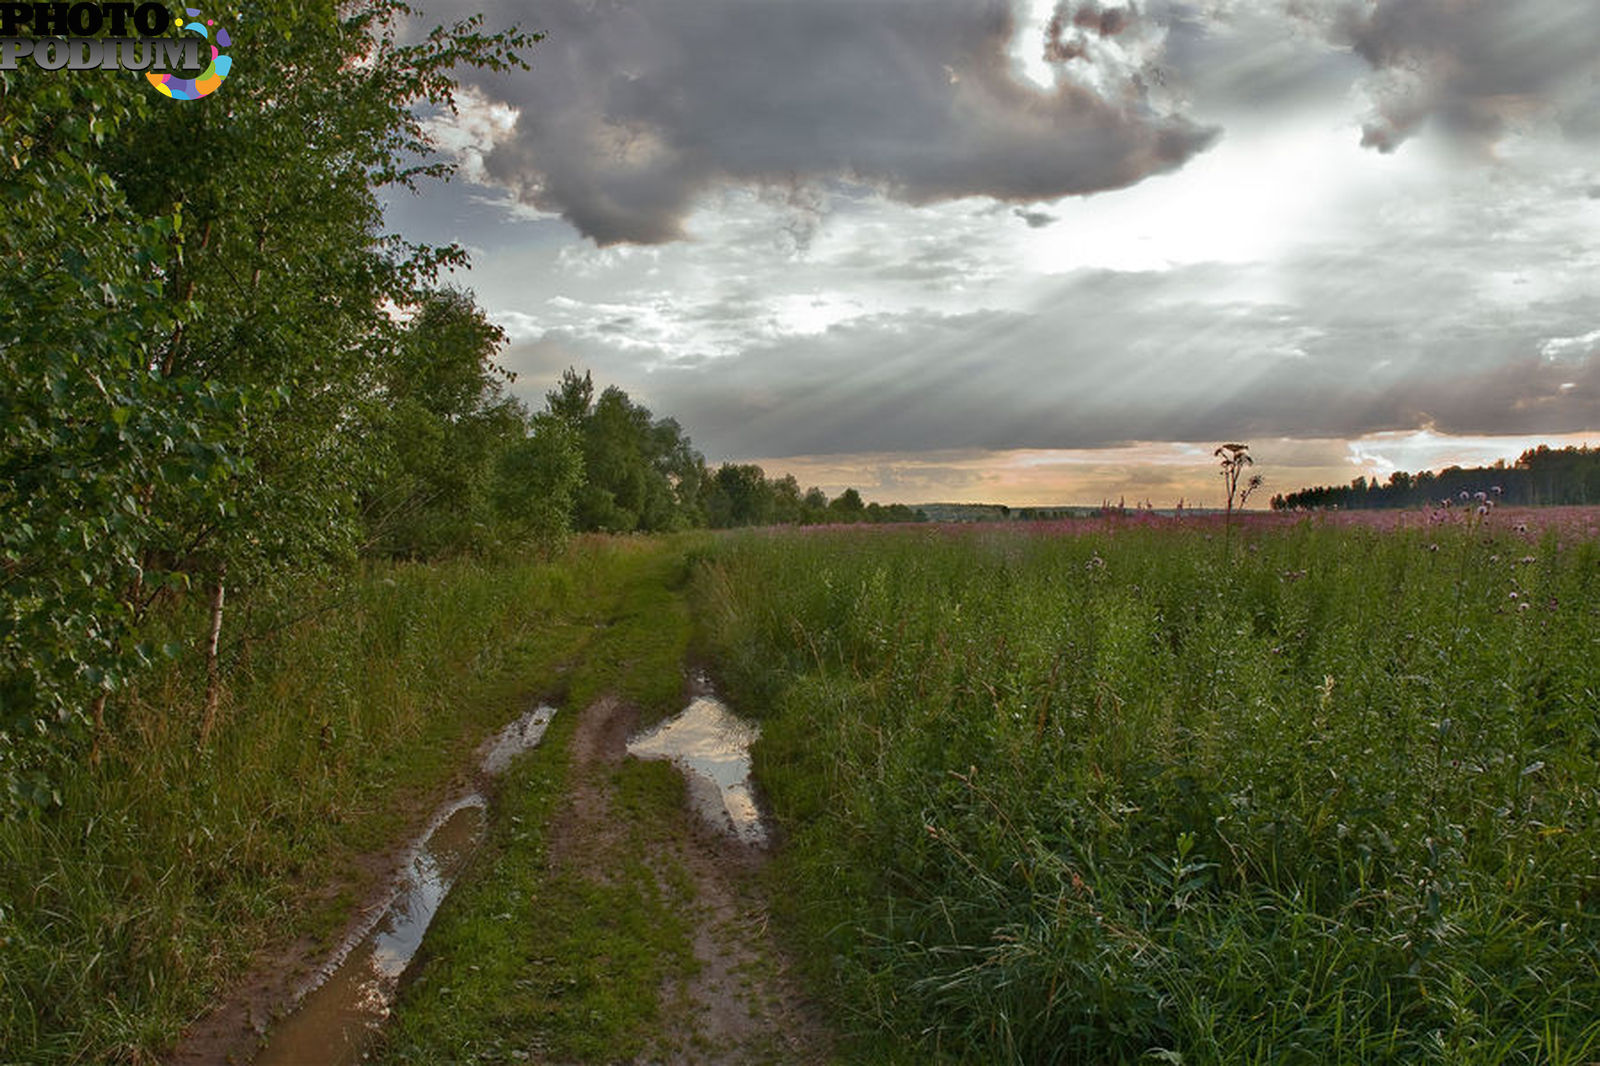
(1120, 790)
(1305, 791)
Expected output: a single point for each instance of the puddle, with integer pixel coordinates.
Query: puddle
(336, 1020)
(347, 1004)
(712, 746)
(520, 736)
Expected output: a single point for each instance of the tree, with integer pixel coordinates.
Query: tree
(442, 433)
(786, 502)
(190, 341)
(740, 495)
(639, 472)
(572, 398)
(814, 507)
(847, 507)
(536, 482)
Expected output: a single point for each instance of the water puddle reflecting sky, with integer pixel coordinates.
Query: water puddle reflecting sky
(712, 746)
(337, 1019)
(340, 1012)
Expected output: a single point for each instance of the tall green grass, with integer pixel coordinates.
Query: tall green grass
(1334, 796)
(123, 912)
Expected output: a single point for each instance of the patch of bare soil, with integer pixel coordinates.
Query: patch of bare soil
(742, 1006)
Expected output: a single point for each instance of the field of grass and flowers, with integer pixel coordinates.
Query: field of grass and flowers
(1126, 791)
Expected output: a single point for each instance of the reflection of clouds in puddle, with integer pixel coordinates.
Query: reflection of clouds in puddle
(335, 1020)
(520, 736)
(712, 745)
(338, 1016)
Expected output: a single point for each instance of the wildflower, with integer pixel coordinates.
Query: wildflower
(1483, 509)
(1522, 527)
(1528, 560)
(1514, 595)
(1523, 606)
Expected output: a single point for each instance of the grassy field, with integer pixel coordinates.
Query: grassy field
(1306, 794)
(1103, 792)
(124, 912)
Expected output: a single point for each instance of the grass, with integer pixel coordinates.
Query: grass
(1121, 797)
(525, 958)
(170, 863)
(568, 961)
(1127, 795)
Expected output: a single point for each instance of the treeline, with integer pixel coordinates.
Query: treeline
(1541, 476)
(640, 473)
(467, 468)
(475, 471)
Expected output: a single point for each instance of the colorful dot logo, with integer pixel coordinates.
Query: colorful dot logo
(210, 79)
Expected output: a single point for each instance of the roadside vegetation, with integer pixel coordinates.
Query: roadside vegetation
(1119, 796)
(168, 864)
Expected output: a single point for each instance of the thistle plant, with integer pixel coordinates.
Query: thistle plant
(1235, 457)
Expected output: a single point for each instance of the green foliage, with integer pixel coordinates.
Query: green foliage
(1541, 476)
(639, 472)
(1108, 798)
(463, 466)
(190, 341)
(96, 449)
(740, 495)
(536, 483)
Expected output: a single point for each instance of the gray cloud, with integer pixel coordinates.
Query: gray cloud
(1472, 67)
(632, 111)
(1249, 62)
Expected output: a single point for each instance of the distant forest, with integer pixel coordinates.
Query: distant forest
(1541, 476)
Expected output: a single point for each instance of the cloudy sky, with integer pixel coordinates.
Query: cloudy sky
(1040, 252)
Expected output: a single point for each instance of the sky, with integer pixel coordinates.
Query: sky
(1028, 252)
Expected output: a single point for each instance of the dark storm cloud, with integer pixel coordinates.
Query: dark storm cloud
(1472, 66)
(632, 111)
